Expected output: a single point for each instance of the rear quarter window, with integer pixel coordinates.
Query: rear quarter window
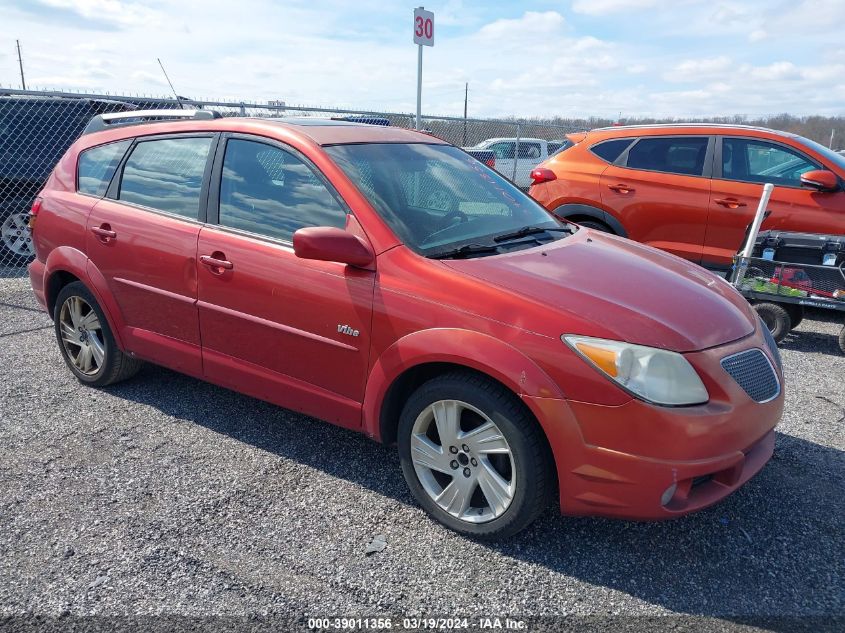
(609, 151)
(97, 166)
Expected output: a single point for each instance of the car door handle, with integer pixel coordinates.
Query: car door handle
(217, 263)
(730, 203)
(621, 188)
(104, 233)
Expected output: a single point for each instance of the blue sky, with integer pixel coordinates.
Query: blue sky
(538, 58)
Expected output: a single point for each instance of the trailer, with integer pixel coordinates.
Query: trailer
(782, 273)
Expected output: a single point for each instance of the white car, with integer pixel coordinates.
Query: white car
(532, 151)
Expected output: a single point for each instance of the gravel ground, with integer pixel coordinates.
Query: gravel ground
(167, 495)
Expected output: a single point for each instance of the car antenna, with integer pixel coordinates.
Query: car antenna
(178, 98)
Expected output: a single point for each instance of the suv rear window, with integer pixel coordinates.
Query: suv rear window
(611, 150)
(97, 166)
(677, 155)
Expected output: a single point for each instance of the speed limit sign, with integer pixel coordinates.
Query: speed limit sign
(423, 27)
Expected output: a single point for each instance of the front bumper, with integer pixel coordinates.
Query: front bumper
(644, 462)
(633, 487)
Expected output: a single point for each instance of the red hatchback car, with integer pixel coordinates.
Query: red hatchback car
(511, 356)
(692, 189)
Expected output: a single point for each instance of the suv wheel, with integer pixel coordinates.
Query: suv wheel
(473, 457)
(15, 240)
(86, 341)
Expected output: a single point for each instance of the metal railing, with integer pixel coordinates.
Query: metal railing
(37, 127)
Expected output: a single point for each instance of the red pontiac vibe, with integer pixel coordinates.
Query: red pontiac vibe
(386, 281)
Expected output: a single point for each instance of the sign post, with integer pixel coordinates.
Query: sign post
(423, 36)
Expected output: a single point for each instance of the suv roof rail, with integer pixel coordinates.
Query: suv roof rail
(135, 117)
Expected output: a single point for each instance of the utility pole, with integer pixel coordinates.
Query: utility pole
(20, 64)
(832, 135)
(466, 98)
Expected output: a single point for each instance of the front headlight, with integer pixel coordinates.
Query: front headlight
(651, 374)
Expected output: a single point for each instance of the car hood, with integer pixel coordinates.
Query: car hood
(614, 288)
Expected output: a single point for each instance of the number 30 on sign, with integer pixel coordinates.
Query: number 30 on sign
(423, 27)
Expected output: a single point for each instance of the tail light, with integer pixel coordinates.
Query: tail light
(542, 174)
(491, 162)
(33, 212)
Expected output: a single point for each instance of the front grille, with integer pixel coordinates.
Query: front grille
(754, 373)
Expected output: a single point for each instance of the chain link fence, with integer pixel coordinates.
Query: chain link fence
(37, 127)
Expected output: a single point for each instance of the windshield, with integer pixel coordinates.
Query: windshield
(828, 154)
(437, 198)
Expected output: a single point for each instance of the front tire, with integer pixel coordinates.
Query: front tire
(86, 340)
(473, 456)
(842, 339)
(796, 314)
(776, 319)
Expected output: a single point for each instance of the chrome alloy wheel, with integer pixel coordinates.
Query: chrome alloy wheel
(82, 335)
(15, 235)
(463, 461)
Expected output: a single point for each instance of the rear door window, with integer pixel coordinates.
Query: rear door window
(166, 174)
(272, 192)
(674, 155)
(97, 166)
(752, 160)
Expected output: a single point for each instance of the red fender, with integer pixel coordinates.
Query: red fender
(490, 356)
(75, 262)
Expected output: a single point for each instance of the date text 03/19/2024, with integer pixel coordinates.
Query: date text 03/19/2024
(417, 624)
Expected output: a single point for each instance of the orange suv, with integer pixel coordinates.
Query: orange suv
(692, 189)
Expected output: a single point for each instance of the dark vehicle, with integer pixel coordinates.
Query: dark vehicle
(34, 134)
(364, 118)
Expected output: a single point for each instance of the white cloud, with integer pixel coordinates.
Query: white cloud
(529, 26)
(604, 7)
(111, 11)
(535, 63)
(699, 70)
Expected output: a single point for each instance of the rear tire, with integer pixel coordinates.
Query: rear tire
(842, 339)
(86, 340)
(472, 439)
(776, 319)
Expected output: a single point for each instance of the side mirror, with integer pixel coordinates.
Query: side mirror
(331, 244)
(820, 180)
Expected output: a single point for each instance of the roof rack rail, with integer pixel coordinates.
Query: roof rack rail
(135, 117)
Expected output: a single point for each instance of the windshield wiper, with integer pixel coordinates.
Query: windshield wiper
(466, 250)
(530, 230)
